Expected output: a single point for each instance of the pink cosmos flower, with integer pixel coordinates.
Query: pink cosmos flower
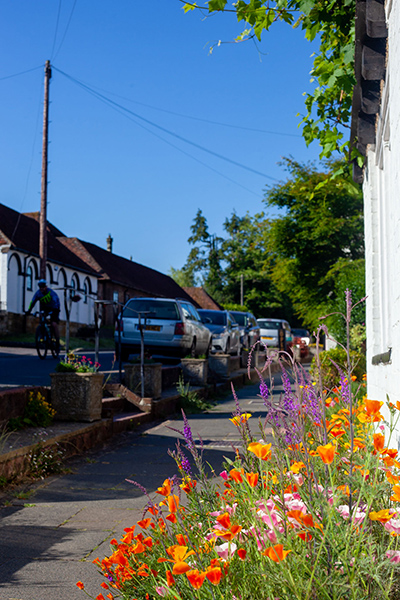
(226, 551)
(394, 556)
(161, 590)
(393, 526)
(224, 475)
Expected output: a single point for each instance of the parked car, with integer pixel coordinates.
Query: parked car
(303, 334)
(269, 331)
(224, 329)
(173, 328)
(249, 328)
(301, 340)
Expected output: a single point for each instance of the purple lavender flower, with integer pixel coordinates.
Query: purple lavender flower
(187, 433)
(345, 390)
(238, 411)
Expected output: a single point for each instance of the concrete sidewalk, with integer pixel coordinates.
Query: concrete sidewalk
(50, 536)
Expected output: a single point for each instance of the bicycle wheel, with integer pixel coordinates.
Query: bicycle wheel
(54, 345)
(41, 342)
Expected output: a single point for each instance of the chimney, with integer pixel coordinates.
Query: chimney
(109, 243)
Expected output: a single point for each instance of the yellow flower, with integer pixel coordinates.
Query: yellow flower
(238, 420)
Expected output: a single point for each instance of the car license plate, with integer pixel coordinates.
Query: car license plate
(151, 327)
(266, 338)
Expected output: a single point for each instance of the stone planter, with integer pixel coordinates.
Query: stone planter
(195, 370)
(152, 379)
(77, 396)
(219, 366)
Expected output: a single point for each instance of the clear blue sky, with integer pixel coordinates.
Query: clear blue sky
(111, 174)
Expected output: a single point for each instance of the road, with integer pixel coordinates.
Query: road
(21, 366)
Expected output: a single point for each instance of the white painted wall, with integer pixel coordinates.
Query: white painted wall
(12, 286)
(382, 230)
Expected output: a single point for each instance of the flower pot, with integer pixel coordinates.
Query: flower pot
(195, 370)
(219, 365)
(77, 396)
(152, 379)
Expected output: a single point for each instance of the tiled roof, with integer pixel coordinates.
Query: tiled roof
(22, 232)
(204, 300)
(126, 272)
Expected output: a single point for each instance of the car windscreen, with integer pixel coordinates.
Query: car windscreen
(270, 324)
(157, 309)
(300, 332)
(239, 318)
(216, 317)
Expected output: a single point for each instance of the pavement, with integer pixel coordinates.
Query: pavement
(52, 530)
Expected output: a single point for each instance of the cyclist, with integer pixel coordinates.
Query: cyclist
(49, 303)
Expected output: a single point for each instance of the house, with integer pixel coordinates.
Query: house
(120, 279)
(19, 272)
(202, 299)
(73, 266)
(376, 133)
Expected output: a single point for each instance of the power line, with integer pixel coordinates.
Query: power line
(194, 118)
(56, 30)
(21, 73)
(164, 129)
(66, 29)
(107, 103)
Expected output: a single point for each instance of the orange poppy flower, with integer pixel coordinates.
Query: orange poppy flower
(238, 420)
(262, 451)
(276, 553)
(165, 489)
(396, 493)
(236, 475)
(383, 516)
(110, 596)
(392, 478)
(214, 575)
(326, 453)
(305, 536)
(252, 479)
(171, 518)
(100, 597)
(178, 554)
(391, 452)
(145, 523)
(301, 517)
(181, 539)
(379, 442)
(336, 433)
(104, 585)
(196, 579)
(80, 585)
(173, 503)
(188, 485)
(170, 579)
(241, 553)
(372, 407)
(297, 466)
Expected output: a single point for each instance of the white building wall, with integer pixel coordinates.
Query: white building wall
(15, 299)
(382, 230)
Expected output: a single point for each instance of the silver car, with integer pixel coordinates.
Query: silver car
(225, 331)
(172, 327)
(269, 332)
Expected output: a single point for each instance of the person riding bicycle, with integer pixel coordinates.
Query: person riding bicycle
(49, 303)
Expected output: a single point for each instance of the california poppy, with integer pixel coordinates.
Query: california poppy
(276, 553)
(196, 578)
(326, 453)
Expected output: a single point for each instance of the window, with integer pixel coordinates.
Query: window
(29, 278)
(115, 297)
(85, 292)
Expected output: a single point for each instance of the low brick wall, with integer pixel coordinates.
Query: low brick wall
(13, 401)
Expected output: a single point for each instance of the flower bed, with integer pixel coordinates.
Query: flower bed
(313, 517)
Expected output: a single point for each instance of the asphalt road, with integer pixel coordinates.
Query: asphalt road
(22, 366)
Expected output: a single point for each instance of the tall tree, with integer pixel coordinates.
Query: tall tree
(322, 228)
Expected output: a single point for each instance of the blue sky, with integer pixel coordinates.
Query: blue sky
(113, 174)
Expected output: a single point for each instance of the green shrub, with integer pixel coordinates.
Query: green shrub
(190, 400)
(338, 355)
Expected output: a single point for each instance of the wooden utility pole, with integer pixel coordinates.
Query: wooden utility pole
(43, 195)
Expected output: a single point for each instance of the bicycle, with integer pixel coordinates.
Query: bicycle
(45, 337)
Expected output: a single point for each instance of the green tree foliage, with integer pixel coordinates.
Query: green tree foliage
(328, 108)
(317, 245)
